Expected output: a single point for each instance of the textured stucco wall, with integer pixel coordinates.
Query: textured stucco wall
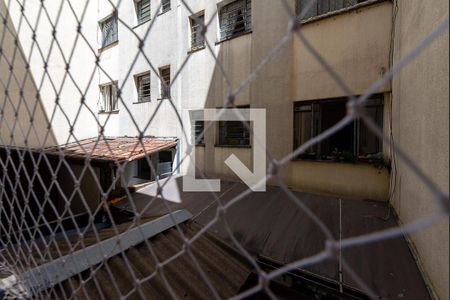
(421, 129)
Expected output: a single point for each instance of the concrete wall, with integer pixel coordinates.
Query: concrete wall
(19, 126)
(421, 126)
(52, 81)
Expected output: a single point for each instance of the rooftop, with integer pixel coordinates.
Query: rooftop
(113, 149)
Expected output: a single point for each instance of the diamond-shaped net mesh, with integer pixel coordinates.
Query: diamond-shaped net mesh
(56, 242)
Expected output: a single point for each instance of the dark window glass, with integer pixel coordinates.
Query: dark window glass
(144, 170)
(314, 117)
(234, 133)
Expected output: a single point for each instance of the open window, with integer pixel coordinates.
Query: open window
(314, 117)
(165, 6)
(108, 101)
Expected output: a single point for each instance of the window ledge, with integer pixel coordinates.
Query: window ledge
(113, 112)
(196, 50)
(140, 24)
(165, 98)
(234, 36)
(341, 11)
(113, 44)
(201, 145)
(140, 102)
(234, 146)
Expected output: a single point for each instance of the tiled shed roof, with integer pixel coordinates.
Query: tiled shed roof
(113, 149)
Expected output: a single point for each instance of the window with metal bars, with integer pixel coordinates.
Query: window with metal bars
(143, 11)
(143, 87)
(197, 38)
(321, 7)
(165, 6)
(109, 31)
(355, 140)
(235, 18)
(234, 133)
(164, 73)
(108, 101)
(198, 128)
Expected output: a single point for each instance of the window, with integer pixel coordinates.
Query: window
(198, 133)
(235, 18)
(143, 11)
(109, 31)
(109, 101)
(164, 73)
(165, 6)
(313, 117)
(197, 38)
(143, 87)
(234, 133)
(321, 7)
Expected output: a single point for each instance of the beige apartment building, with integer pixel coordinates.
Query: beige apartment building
(360, 40)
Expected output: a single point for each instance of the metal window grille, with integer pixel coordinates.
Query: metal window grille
(109, 101)
(165, 5)
(355, 141)
(197, 38)
(109, 31)
(164, 73)
(235, 18)
(143, 11)
(143, 87)
(321, 7)
(234, 133)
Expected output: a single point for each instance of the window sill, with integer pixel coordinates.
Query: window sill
(113, 112)
(141, 102)
(234, 36)
(196, 50)
(161, 99)
(104, 48)
(234, 146)
(143, 23)
(340, 11)
(201, 145)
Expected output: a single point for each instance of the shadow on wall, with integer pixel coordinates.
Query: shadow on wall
(23, 121)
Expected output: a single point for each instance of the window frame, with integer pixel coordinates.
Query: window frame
(220, 125)
(316, 109)
(138, 81)
(139, 16)
(166, 5)
(105, 41)
(164, 85)
(197, 40)
(319, 8)
(110, 105)
(247, 19)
